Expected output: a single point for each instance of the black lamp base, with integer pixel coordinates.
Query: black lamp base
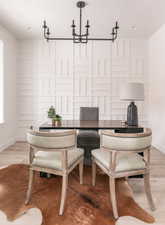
(132, 115)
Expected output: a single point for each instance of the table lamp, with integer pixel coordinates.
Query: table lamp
(132, 92)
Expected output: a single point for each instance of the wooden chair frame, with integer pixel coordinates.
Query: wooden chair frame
(114, 175)
(64, 172)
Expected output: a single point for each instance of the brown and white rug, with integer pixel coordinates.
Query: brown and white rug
(31, 217)
(86, 205)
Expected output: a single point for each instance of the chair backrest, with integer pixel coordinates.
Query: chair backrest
(52, 140)
(125, 141)
(89, 113)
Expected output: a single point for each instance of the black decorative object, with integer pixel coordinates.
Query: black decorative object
(132, 115)
(80, 37)
(128, 130)
(132, 91)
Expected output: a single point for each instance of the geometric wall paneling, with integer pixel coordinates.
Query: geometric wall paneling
(139, 47)
(101, 60)
(121, 48)
(115, 86)
(82, 60)
(80, 102)
(81, 77)
(120, 67)
(101, 86)
(46, 56)
(64, 83)
(137, 67)
(63, 59)
(64, 86)
(101, 78)
(64, 105)
(82, 87)
(69, 76)
(104, 104)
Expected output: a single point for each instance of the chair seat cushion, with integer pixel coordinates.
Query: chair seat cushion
(88, 137)
(125, 162)
(53, 160)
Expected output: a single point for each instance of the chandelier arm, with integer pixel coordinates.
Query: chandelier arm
(84, 35)
(73, 29)
(87, 32)
(85, 41)
(44, 32)
(80, 31)
(77, 42)
(100, 39)
(71, 39)
(60, 38)
(73, 32)
(45, 28)
(76, 35)
(45, 36)
(115, 36)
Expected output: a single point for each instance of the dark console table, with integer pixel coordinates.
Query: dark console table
(116, 125)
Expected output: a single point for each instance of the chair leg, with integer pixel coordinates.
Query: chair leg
(63, 193)
(93, 173)
(113, 197)
(81, 165)
(31, 178)
(148, 191)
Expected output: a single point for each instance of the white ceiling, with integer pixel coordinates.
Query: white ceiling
(24, 17)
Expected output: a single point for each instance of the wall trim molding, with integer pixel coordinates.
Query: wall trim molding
(10, 142)
(159, 147)
(20, 139)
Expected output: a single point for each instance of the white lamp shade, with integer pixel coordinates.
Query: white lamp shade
(132, 92)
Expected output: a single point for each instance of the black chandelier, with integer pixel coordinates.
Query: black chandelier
(80, 37)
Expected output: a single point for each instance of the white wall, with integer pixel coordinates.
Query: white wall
(8, 128)
(69, 76)
(157, 87)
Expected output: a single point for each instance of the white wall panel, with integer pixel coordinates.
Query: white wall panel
(69, 76)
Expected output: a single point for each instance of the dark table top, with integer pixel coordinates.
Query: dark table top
(84, 124)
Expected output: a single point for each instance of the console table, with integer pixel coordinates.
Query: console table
(116, 125)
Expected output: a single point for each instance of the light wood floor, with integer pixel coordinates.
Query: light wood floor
(18, 153)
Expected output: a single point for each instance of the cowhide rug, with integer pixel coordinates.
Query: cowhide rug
(85, 205)
(31, 217)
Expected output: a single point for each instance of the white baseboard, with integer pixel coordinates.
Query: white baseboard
(22, 139)
(7, 144)
(159, 147)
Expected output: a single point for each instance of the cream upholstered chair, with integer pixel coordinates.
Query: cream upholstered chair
(118, 157)
(55, 153)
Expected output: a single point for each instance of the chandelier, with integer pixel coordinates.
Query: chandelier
(80, 37)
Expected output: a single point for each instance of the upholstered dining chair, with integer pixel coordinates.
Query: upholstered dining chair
(54, 153)
(118, 157)
(88, 139)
